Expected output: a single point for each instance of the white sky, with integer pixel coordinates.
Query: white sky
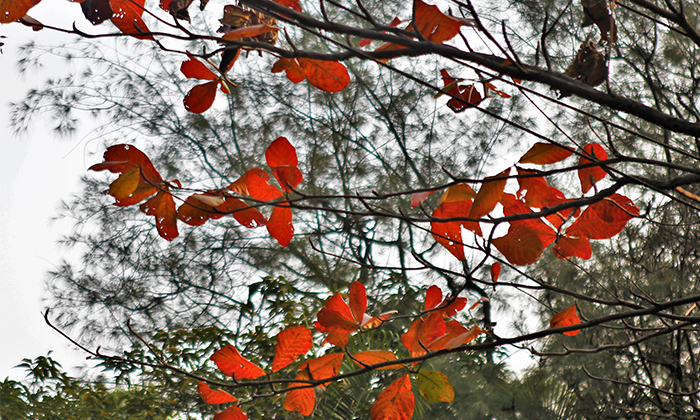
(36, 172)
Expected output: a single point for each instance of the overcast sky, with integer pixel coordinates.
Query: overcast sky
(36, 172)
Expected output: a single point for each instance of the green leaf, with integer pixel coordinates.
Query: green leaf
(435, 387)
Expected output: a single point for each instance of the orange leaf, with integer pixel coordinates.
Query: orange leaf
(459, 192)
(495, 271)
(545, 153)
(590, 176)
(449, 234)
(489, 195)
(358, 301)
(455, 306)
(254, 184)
(396, 402)
(434, 25)
(280, 226)
(565, 318)
(199, 208)
(572, 247)
(435, 387)
(249, 32)
(195, 69)
(464, 338)
(130, 162)
(127, 17)
(604, 219)
(521, 246)
(231, 363)
(301, 400)
(323, 367)
(211, 396)
(291, 4)
(291, 67)
(431, 329)
(433, 297)
(232, 413)
(291, 343)
(14, 10)
(410, 339)
(373, 357)
(162, 206)
(124, 186)
(201, 97)
(281, 156)
(329, 76)
(243, 213)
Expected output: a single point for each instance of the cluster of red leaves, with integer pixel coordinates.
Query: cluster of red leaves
(329, 76)
(570, 229)
(395, 402)
(139, 180)
(201, 97)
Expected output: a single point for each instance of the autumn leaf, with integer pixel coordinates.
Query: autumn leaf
(14, 10)
(249, 32)
(435, 387)
(433, 297)
(545, 154)
(449, 234)
(291, 67)
(597, 11)
(604, 219)
(567, 247)
(231, 363)
(281, 157)
(211, 396)
(520, 246)
(280, 226)
(431, 329)
(324, 367)
(96, 11)
(434, 25)
(301, 400)
(396, 402)
(127, 17)
(329, 76)
(195, 69)
(198, 208)
(489, 195)
(358, 301)
(589, 66)
(162, 206)
(590, 176)
(373, 357)
(201, 97)
(458, 192)
(495, 271)
(463, 96)
(418, 198)
(232, 413)
(291, 343)
(565, 318)
(254, 183)
(457, 340)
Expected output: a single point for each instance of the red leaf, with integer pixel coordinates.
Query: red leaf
(280, 226)
(14, 10)
(301, 400)
(572, 247)
(323, 367)
(545, 153)
(373, 357)
(489, 195)
(590, 176)
(254, 184)
(199, 208)
(565, 318)
(410, 339)
(243, 213)
(418, 198)
(127, 17)
(291, 4)
(535, 192)
(281, 156)
(604, 219)
(396, 402)
(231, 363)
(433, 297)
(291, 67)
(431, 329)
(232, 413)
(455, 306)
(458, 192)
(521, 246)
(464, 338)
(201, 97)
(195, 69)
(449, 234)
(358, 301)
(162, 206)
(211, 396)
(466, 95)
(329, 76)
(434, 25)
(495, 271)
(291, 343)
